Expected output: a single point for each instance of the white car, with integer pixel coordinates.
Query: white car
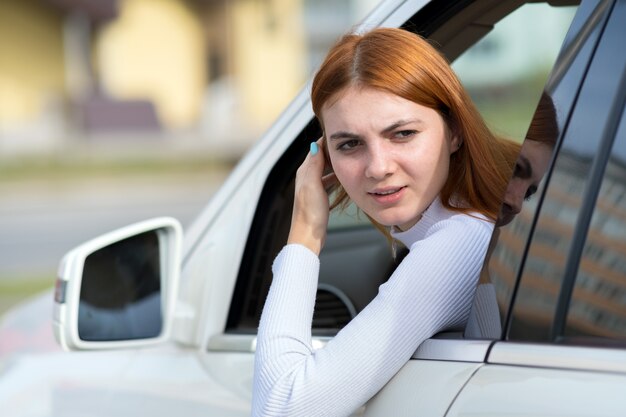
(162, 324)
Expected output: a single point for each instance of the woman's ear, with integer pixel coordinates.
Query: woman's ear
(455, 143)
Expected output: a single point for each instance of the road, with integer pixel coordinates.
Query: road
(40, 221)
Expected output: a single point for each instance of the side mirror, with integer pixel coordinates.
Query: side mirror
(119, 289)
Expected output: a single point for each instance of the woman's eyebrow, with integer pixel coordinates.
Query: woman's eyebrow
(343, 135)
(526, 167)
(398, 124)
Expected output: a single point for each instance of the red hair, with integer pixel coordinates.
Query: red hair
(405, 64)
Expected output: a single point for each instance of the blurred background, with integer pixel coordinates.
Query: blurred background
(114, 111)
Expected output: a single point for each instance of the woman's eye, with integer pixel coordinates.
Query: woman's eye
(530, 192)
(347, 145)
(404, 134)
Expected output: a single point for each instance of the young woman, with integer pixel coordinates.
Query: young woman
(405, 144)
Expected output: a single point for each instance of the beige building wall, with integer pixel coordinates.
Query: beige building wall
(31, 60)
(269, 55)
(155, 50)
(158, 50)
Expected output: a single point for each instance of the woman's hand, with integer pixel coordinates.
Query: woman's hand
(309, 219)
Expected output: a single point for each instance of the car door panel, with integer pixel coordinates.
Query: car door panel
(520, 391)
(563, 357)
(156, 382)
(421, 387)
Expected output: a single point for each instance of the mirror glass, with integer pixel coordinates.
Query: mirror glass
(120, 295)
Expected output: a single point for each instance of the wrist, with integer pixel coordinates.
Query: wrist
(309, 238)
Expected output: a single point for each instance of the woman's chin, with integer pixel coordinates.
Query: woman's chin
(393, 222)
(389, 218)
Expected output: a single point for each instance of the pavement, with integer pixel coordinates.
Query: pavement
(42, 218)
(40, 221)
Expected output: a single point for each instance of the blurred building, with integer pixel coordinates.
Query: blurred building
(214, 71)
(32, 79)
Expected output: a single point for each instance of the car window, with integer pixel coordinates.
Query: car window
(597, 309)
(507, 251)
(561, 249)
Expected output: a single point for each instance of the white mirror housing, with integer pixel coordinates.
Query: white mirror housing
(119, 290)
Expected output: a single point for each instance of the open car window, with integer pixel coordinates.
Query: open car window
(356, 258)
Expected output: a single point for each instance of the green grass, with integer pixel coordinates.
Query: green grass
(14, 291)
(59, 169)
(508, 112)
(511, 121)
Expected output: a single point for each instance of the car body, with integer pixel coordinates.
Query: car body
(559, 268)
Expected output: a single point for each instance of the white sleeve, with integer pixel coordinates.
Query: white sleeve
(484, 319)
(430, 291)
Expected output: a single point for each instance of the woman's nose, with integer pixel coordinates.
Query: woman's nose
(379, 163)
(515, 193)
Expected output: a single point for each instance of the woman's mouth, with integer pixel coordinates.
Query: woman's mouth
(506, 215)
(387, 195)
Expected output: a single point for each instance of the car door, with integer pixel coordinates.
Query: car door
(220, 314)
(564, 346)
(428, 382)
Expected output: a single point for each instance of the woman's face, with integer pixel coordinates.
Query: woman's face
(391, 155)
(532, 163)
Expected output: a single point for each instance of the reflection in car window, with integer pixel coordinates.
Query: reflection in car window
(598, 304)
(543, 270)
(550, 265)
(508, 99)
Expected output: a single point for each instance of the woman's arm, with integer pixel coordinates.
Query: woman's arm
(430, 291)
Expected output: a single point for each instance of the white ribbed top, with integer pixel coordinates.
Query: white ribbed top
(430, 291)
(484, 319)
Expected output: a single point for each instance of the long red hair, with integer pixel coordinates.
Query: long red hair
(405, 64)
